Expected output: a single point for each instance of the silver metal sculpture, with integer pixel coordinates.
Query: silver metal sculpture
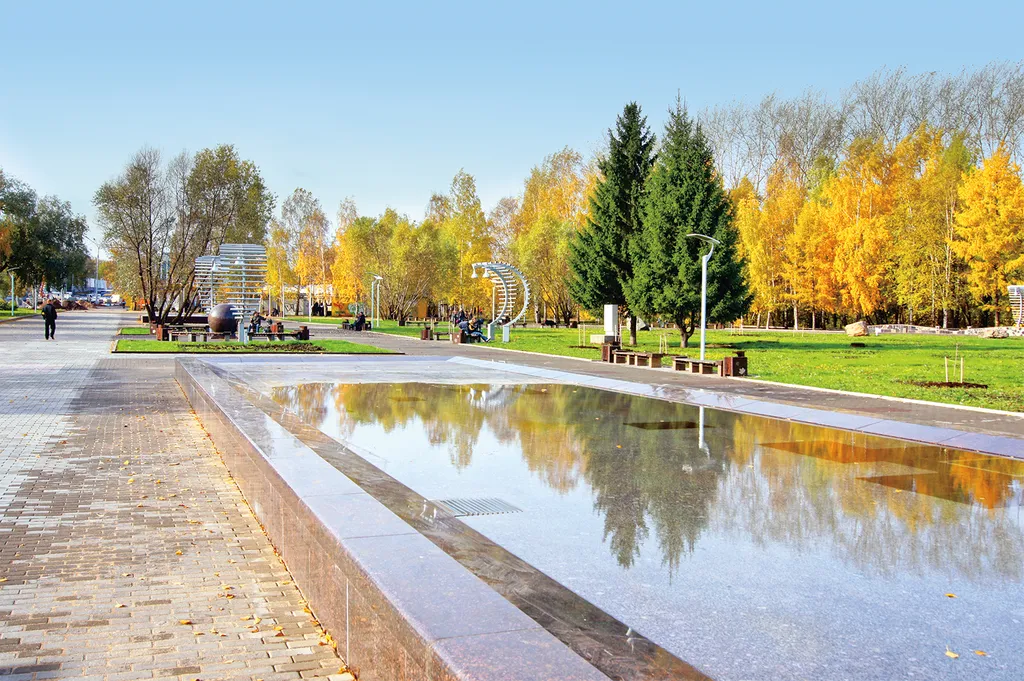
(1017, 303)
(236, 276)
(204, 281)
(508, 282)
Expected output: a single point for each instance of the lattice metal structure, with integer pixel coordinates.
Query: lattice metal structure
(236, 276)
(205, 281)
(509, 282)
(1017, 303)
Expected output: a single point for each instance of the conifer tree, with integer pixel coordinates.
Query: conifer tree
(600, 258)
(685, 195)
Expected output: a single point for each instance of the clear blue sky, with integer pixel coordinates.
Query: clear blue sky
(386, 101)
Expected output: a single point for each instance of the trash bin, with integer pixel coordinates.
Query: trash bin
(608, 351)
(735, 366)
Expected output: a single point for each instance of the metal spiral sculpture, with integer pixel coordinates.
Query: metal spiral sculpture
(509, 281)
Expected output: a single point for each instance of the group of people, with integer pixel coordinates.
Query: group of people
(257, 322)
(318, 310)
(471, 328)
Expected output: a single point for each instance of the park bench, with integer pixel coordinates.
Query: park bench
(647, 359)
(459, 336)
(166, 332)
(278, 333)
(638, 359)
(188, 335)
(696, 366)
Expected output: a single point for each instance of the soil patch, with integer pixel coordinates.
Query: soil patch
(946, 384)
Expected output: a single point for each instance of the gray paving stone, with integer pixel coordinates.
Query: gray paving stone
(105, 475)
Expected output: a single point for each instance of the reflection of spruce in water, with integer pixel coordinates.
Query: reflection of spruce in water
(659, 478)
(564, 433)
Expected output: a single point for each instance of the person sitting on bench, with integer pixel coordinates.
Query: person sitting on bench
(255, 323)
(473, 331)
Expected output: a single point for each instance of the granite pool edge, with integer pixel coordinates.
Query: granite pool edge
(398, 607)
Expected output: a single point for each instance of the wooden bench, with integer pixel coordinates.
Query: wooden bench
(696, 366)
(638, 359)
(442, 335)
(188, 336)
(647, 359)
(294, 335)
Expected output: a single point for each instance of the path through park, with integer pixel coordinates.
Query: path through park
(127, 550)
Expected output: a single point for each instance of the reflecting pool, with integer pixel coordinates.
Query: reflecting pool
(748, 547)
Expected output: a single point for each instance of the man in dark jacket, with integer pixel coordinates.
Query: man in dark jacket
(50, 318)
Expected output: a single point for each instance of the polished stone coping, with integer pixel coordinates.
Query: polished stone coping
(996, 445)
(400, 607)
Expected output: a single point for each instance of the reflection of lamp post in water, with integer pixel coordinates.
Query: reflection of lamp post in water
(704, 289)
(701, 442)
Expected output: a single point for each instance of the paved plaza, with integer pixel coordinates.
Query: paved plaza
(128, 551)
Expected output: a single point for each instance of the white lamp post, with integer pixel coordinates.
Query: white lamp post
(96, 281)
(375, 301)
(13, 297)
(704, 286)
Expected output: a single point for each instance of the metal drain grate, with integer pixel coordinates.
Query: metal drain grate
(464, 507)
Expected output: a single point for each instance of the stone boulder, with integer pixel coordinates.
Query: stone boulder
(995, 333)
(857, 329)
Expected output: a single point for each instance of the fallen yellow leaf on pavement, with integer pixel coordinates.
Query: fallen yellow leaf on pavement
(951, 654)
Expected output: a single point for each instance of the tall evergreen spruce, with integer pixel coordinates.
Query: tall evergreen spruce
(685, 195)
(600, 257)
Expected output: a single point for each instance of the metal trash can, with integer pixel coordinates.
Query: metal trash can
(608, 352)
(735, 366)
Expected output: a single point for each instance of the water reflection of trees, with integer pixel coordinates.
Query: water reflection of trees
(769, 481)
(835, 495)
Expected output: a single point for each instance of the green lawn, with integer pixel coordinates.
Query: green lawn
(311, 347)
(887, 364)
(135, 331)
(5, 313)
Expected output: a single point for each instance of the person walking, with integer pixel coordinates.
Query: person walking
(50, 319)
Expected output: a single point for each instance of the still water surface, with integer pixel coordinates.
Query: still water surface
(749, 547)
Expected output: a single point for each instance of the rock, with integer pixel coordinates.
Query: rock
(995, 333)
(857, 329)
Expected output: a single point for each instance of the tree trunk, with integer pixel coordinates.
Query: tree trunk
(796, 318)
(632, 329)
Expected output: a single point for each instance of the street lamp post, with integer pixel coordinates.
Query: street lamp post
(13, 297)
(96, 281)
(704, 286)
(375, 300)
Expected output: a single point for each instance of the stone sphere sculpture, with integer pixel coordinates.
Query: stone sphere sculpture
(222, 319)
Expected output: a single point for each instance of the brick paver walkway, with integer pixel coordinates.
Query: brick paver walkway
(127, 550)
